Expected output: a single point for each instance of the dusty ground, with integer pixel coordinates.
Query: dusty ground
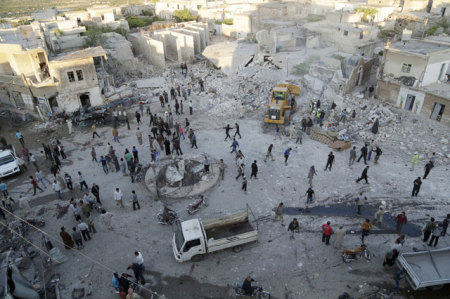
(300, 268)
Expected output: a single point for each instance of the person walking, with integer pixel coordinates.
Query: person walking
(364, 175)
(400, 220)
(76, 235)
(241, 168)
(139, 136)
(94, 131)
(287, 152)
(279, 213)
(34, 161)
(19, 137)
(445, 223)
(340, 234)
(234, 145)
(431, 225)
(244, 184)
(104, 164)
(94, 155)
(428, 168)
(135, 153)
(414, 160)
(310, 196)
(206, 164)
(299, 136)
(378, 153)
(435, 234)
(330, 161)
(327, 230)
(84, 229)
(68, 180)
(35, 185)
(118, 196)
(190, 107)
(416, 187)
(57, 188)
(222, 167)
(365, 229)
(82, 181)
(237, 132)
(312, 172)
(269, 153)
(371, 148)
(380, 212)
(277, 132)
(115, 134)
(95, 190)
(134, 200)
(254, 170)
(294, 227)
(227, 132)
(360, 201)
(67, 239)
(363, 154)
(390, 257)
(40, 176)
(194, 140)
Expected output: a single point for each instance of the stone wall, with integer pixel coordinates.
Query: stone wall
(151, 50)
(428, 105)
(387, 91)
(185, 46)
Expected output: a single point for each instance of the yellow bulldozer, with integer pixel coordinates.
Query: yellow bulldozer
(282, 104)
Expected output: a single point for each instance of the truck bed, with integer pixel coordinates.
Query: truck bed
(426, 268)
(226, 231)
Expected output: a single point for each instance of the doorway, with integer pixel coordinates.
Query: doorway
(438, 110)
(410, 102)
(85, 100)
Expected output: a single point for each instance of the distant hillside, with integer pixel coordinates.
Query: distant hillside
(16, 8)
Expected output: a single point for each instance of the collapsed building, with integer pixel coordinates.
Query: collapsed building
(414, 75)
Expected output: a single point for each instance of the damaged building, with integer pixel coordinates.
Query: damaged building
(178, 43)
(31, 80)
(414, 75)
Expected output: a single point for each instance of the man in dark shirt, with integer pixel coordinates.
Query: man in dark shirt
(254, 170)
(247, 286)
(330, 161)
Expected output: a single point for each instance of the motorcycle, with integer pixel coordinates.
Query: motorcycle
(349, 255)
(197, 204)
(173, 217)
(258, 292)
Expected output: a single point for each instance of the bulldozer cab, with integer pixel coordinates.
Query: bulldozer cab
(279, 94)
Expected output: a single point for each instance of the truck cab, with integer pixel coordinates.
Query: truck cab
(189, 240)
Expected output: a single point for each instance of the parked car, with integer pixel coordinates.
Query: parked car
(8, 161)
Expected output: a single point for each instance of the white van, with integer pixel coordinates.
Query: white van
(8, 161)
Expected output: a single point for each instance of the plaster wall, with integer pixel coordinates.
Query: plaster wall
(196, 39)
(203, 34)
(433, 70)
(185, 45)
(171, 47)
(70, 102)
(418, 102)
(59, 70)
(394, 62)
(387, 91)
(413, 5)
(428, 105)
(151, 49)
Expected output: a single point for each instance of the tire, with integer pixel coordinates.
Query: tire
(197, 258)
(263, 295)
(237, 248)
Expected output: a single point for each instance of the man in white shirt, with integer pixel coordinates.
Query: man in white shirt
(84, 229)
(139, 258)
(57, 188)
(118, 196)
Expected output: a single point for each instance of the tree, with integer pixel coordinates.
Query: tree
(367, 12)
(93, 37)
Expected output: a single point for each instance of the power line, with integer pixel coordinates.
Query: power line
(77, 251)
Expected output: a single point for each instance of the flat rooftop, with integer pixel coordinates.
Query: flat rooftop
(419, 47)
(81, 54)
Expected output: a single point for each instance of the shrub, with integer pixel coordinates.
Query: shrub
(228, 21)
(135, 22)
(367, 12)
(183, 15)
(147, 13)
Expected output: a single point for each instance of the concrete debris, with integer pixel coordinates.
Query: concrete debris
(173, 175)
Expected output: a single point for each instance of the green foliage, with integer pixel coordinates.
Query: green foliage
(443, 23)
(3, 21)
(228, 21)
(432, 30)
(147, 13)
(313, 18)
(94, 36)
(183, 15)
(218, 22)
(367, 12)
(385, 34)
(59, 32)
(134, 22)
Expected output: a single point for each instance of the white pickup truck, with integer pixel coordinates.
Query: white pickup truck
(194, 238)
(8, 161)
(428, 268)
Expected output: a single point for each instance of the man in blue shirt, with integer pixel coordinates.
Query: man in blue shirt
(286, 155)
(20, 137)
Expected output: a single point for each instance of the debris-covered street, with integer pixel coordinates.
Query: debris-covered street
(257, 131)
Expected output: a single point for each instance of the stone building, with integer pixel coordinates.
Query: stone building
(414, 76)
(31, 80)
